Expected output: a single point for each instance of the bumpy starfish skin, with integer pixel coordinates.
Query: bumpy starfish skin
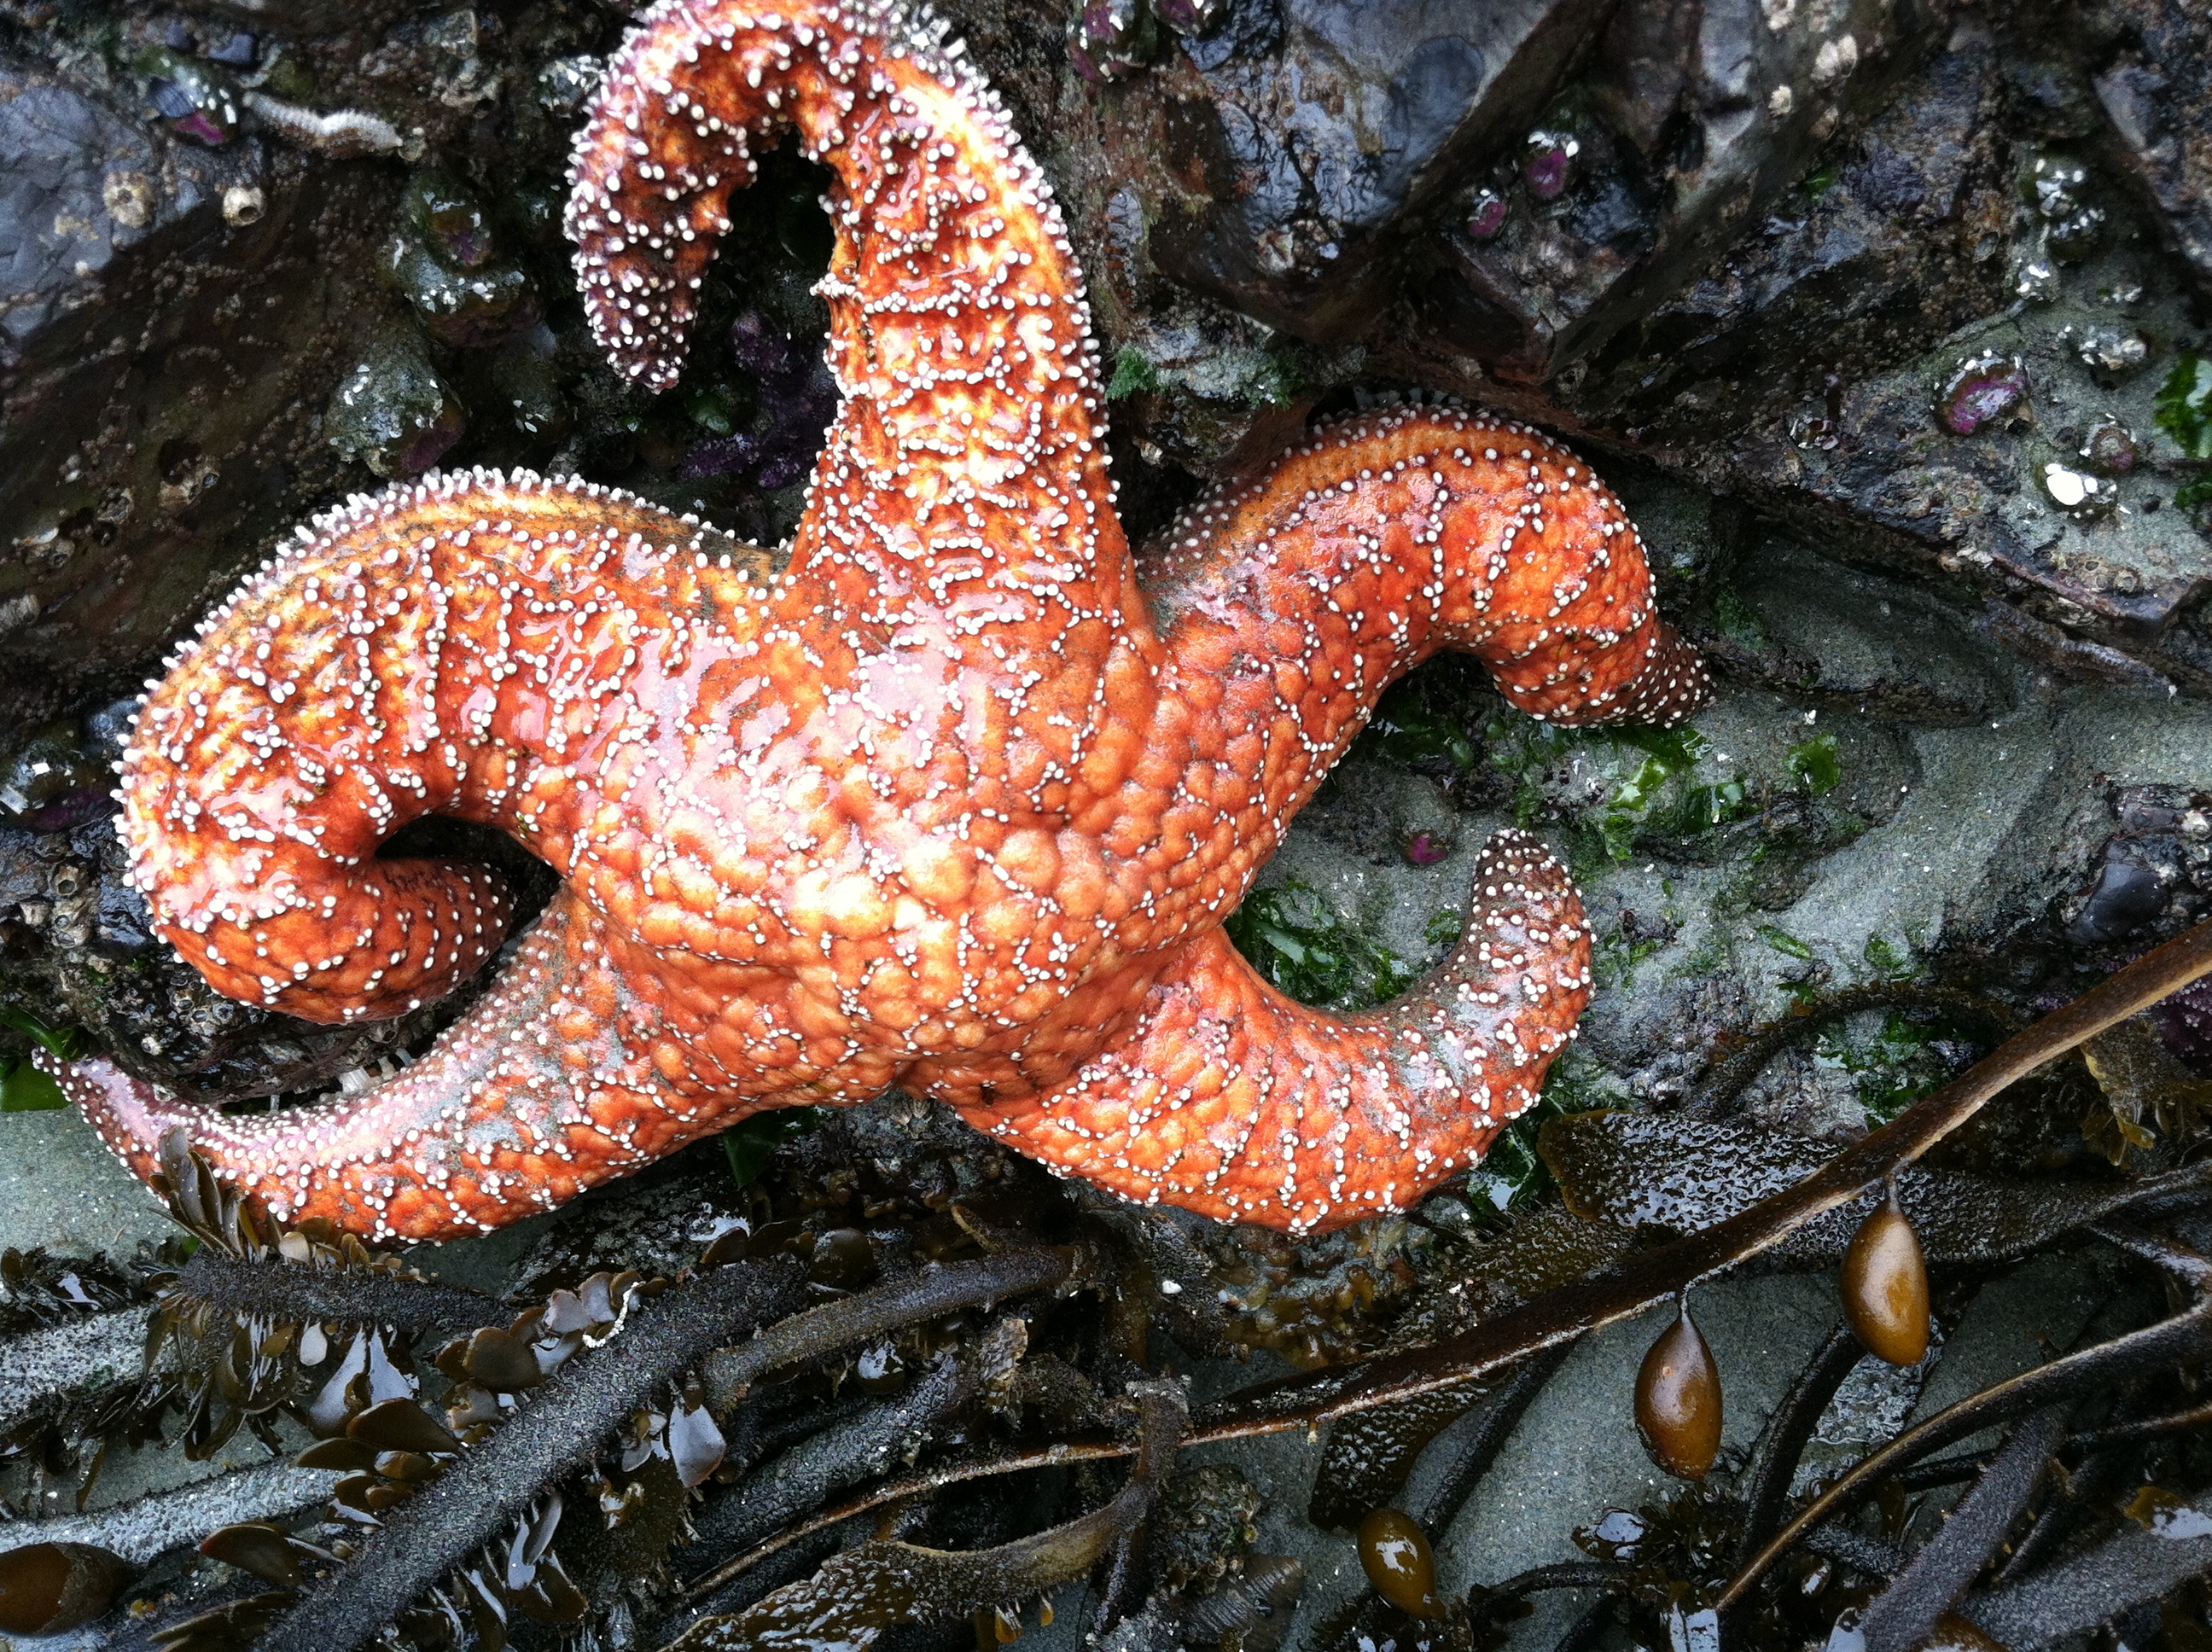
(955, 795)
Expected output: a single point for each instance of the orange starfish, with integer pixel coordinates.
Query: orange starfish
(952, 794)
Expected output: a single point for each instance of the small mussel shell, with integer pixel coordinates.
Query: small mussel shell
(1885, 1286)
(46, 1587)
(1394, 1552)
(1677, 1401)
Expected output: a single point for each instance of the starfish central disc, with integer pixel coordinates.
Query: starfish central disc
(954, 794)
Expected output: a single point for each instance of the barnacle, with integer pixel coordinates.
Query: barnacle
(1247, 1612)
(1203, 1528)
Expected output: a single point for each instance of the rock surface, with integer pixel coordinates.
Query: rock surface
(1276, 159)
(170, 310)
(2152, 89)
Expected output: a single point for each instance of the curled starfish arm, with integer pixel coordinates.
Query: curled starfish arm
(1390, 537)
(452, 646)
(530, 1097)
(970, 436)
(1226, 1098)
(1287, 605)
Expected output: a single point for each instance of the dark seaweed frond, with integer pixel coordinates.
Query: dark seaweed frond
(567, 1459)
(2185, 1337)
(872, 1586)
(487, 1489)
(38, 1290)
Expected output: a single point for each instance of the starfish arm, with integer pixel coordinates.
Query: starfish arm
(970, 438)
(456, 646)
(530, 1097)
(1287, 605)
(1226, 1098)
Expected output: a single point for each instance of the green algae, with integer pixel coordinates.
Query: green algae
(1421, 722)
(2184, 405)
(1652, 790)
(23, 1088)
(1817, 764)
(1133, 375)
(1294, 939)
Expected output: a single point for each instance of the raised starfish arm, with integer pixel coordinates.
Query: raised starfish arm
(1226, 1098)
(1393, 535)
(454, 647)
(958, 334)
(1287, 605)
(521, 1104)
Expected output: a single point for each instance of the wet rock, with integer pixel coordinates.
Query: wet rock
(1825, 370)
(168, 306)
(1891, 238)
(447, 262)
(1862, 370)
(2155, 89)
(1211, 392)
(795, 398)
(1276, 160)
(1690, 535)
(659, 1221)
(1688, 128)
(1658, 1038)
(524, 376)
(1850, 640)
(2014, 510)
(1372, 810)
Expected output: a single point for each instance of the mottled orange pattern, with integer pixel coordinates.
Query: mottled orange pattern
(952, 794)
